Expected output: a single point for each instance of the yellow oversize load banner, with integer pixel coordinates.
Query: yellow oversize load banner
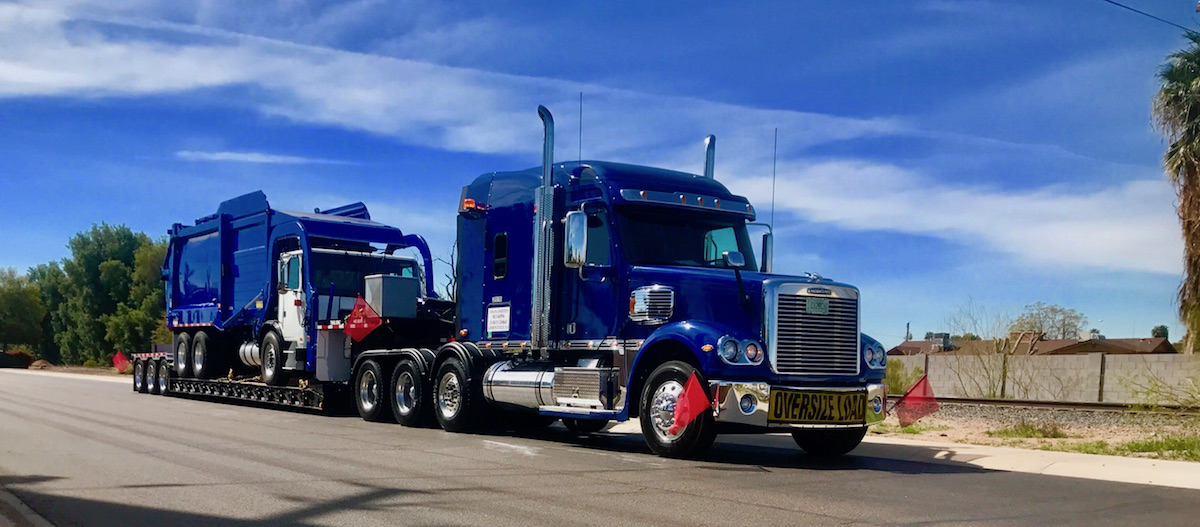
(825, 408)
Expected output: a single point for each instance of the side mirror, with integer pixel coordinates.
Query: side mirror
(575, 250)
(733, 259)
(768, 252)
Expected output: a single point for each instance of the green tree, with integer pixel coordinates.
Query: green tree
(1177, 115)
(1160, 332)
(1053, 321)
(139, 319)
(98, 278)
(21, 310)
(51, 282)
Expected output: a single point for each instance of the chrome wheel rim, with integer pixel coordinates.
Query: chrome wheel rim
(406, 393)
(269, 358)
(138, 371)
(198, 359)
(163, 375)
(662, 410)
(181, 356)
(368, 390)
(449, 395)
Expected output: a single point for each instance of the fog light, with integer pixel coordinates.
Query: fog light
(752, 352)
(877, 404)
(748, 404)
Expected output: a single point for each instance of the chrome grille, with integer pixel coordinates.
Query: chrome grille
(652, 304)
(810, 343)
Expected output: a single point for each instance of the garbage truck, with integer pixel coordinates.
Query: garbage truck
(587, 292)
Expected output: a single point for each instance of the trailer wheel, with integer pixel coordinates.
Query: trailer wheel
(657, 413)
(139, 376)
(205, 363)
(585, 426)
(183, 355)
(152, 377)
(371, 392)
(455, 400)
(272, 360)
(164, 378)
(829, 443)
(409, 398)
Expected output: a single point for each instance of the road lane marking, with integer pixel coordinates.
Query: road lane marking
(497, 445)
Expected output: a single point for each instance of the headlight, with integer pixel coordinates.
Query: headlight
(729, 350)
(875, 358)
(869, 355)
(753, 352)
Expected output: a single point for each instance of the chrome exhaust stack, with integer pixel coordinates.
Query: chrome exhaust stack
(710, 155)
(543, 241)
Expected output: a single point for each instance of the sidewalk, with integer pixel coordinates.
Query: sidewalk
(1177, 474)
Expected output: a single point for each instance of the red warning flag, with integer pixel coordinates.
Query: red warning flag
(692, 402)
(362, 320)
(120, 362)
(917, 403)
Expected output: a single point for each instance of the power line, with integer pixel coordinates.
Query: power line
(1145, 14)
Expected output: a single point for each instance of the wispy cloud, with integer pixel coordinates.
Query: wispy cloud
(1125, 226)
(256, 157)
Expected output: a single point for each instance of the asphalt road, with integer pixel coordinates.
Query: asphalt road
(86, 452)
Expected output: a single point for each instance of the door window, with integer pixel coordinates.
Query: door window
(293, 273)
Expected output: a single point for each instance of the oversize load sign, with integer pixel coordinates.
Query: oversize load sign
(817, 407)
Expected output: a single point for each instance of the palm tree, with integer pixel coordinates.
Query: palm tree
(1177, 116)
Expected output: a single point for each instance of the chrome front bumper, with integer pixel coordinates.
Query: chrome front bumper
(727, 396)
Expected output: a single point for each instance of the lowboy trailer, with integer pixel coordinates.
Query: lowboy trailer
(586, 292)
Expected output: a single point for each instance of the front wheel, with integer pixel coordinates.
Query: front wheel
(272, 360)
(831, 442)
(455, 400)
(410, 394)
(370, 392)
(657, 414)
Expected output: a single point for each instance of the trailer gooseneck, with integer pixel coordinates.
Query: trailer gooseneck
(587, 291)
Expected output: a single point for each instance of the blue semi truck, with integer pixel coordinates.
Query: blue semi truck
(587, 292)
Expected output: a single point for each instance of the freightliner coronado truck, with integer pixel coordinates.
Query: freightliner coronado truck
(586, 292)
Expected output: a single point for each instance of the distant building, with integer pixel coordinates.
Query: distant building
(1018, 345)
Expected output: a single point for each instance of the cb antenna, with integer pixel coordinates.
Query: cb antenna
(581, 126)
(774, 159)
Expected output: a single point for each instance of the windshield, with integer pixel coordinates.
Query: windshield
(347, 271)
(654, 236)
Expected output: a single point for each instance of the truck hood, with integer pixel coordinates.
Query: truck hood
(712, 294)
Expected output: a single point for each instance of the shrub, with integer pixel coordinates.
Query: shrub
(1030, 430)
(899, 378)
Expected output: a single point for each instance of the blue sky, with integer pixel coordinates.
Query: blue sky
(934, 153)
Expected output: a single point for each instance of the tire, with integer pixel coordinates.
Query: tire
(164, 378)
(139, 376)
(585, 426)
(272, 360)
(145, 378)
(152, 377)
(829, 443)
(183, 355)
(409, 398)
(664, 385)
(206, 362)
(455, 402)
(371, 392)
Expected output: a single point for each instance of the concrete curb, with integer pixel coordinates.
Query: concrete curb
(14, 512)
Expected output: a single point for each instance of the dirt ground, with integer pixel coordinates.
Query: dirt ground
(987, 425)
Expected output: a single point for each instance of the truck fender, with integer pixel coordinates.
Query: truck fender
(477, 360)
(682, 340)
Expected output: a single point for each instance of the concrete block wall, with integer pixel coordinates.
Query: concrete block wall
(1128, 378)
(1073, 378)
(966, 375)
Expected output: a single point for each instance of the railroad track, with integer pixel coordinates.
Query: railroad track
(1066, 406)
